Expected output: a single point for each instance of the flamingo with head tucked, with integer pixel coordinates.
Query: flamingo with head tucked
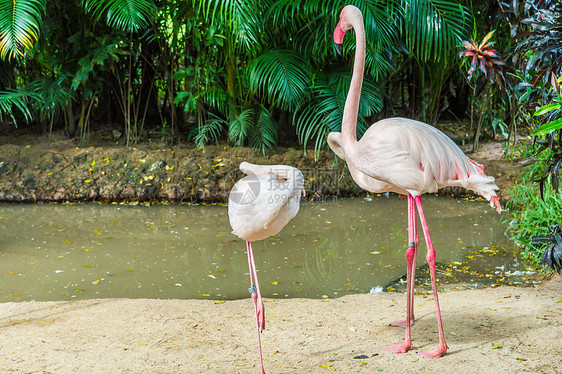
(407, 157)
(259, 206)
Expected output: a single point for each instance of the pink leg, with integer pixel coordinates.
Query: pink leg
(411, 268)
(442, 348)
(256, 298)
(410, 274)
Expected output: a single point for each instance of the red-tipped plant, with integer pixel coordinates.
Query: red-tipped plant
(486, 59)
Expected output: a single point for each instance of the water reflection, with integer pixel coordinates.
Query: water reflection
(58, 252)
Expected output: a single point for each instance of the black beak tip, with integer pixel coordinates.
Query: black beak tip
(339, 48)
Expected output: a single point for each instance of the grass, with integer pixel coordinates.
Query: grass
(531, 214)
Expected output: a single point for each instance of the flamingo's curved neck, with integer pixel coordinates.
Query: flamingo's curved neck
(349, 122)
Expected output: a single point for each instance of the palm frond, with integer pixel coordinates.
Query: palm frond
(281, 76)
(239, 16)
(210, 131)
(18, 99)
(432, 28)
(323, 114)
(126, 15)
(239, 129)
(311, 24)
(264, 134)
(56, 96)
(20, 25)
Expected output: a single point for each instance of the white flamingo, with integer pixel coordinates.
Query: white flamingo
(407, 157)
(259, 206)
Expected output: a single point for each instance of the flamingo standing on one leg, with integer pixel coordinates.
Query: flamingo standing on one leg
(259, 206)
(407, 157)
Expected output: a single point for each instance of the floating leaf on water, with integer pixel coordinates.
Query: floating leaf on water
(205, 294)
(79, 290)
(274, 283)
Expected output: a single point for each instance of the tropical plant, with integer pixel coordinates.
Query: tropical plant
(553, 112)
(488, 65)
(552, 256)
(532, 215)
(20, 25)
(11, 99)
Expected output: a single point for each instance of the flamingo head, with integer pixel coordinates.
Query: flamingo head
(347, 12)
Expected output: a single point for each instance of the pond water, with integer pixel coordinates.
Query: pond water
(62, 252)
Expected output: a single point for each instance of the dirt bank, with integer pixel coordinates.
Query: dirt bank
(59, 170)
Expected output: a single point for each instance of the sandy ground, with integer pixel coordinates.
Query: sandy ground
(496, 330)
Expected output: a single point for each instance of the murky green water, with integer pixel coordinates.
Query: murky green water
(61, 252)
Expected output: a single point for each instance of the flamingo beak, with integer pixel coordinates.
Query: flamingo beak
(339, 33)
(339, 48)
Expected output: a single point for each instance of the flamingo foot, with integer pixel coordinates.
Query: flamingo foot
(402, 323)
(399, 348)
(438, 352)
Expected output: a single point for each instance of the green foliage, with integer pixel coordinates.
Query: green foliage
(125, 15)
(210, 131)
(264, 134)
(433, 28)
(107, 52)
(16, 99)
(55, 97)
(323, 113)
(238, 68)
(20, 25)
(554, 112)
(532, 217)
(282, 77)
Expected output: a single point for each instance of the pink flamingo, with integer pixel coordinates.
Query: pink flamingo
(407, 157)
(259, 206)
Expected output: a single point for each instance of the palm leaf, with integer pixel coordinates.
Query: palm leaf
(264, 134)
(323, 114)
(20, 24)
(239, 129)
(433, 27)
(16, 99)
(210, 131)
(310, 25)
(126, 15)
(281, 76)
(239, 16)
(54, 94)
